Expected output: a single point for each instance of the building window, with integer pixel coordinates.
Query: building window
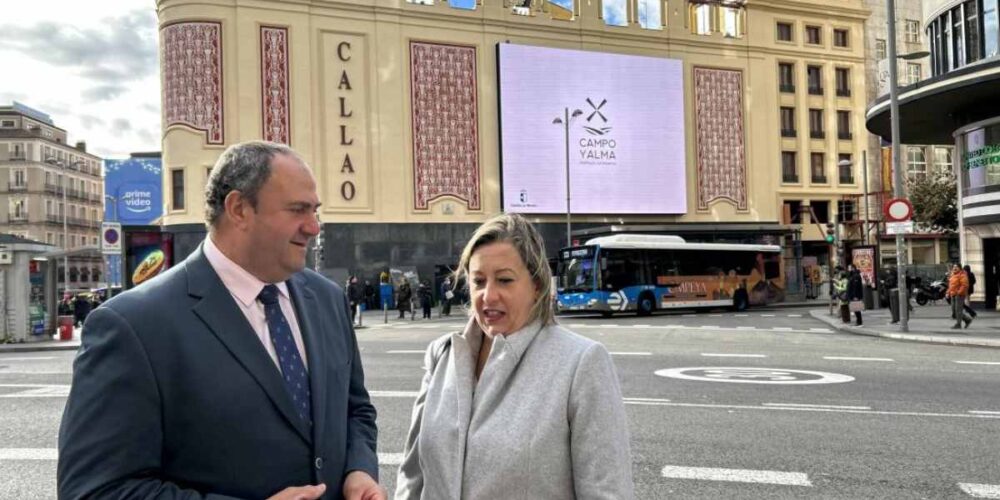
(815, 77)
(787, 122)
(701, 20)
(957, 42)
(786, 77)
(784, 32)
(792, 211)
(816, 124)
(844, 125)
(177, 188)
(789, 168)
(563, 10)
(7, 124)
(614, 12)
(18, 209)
(816, 168)
(942, 159)
(733, 21)
(820, 211)
(72, 242)
(18, 178)
(912, 31)
(49, 239)
(916, 163)
(813, 35)
(843, 77)
(972, 34)
(840, 38)
(845, 169)
(991, 28)
(651, 14)
(912, 73)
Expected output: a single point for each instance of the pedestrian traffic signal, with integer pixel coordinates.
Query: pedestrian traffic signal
(831, 233)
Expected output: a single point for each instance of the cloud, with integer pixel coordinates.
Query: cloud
(146, 136)
(124, 50)
(120, 127)
(7, 97)
(90, 121)
(614, 13)
(103, 92)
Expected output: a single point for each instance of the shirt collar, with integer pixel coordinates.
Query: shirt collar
(243, 285)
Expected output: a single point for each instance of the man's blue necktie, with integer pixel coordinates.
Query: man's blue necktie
(293, 370)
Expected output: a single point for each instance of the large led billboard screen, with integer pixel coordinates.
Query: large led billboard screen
(626, 145)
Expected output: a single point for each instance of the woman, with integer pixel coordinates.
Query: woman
(855, 292)
(972, 289)
(403, 299)
(515, 406)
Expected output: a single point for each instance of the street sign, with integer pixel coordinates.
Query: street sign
(111, 238)
(898, 210)
(899, 227)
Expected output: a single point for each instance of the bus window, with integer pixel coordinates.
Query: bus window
(772, 266)
(577, 274)
(662, 266)
(624, 269)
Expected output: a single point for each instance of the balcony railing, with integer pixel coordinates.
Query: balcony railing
(53, 188)
(816, 179)
(817, 134)
(846, 179)
(17, 187)
(816, 90)
(785, 132)
(18, 219)
(843, 92)
(790, 178)
(787, 87)
(844, 136)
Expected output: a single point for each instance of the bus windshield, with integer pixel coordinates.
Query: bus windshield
(576, 270)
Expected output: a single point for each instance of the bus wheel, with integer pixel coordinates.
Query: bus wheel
(606, 314)
(740, 301)
(645, 306)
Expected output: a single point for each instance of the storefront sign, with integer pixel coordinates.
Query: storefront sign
(982, 157)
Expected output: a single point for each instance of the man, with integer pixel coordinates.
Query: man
(235, 374)
(958, 290)
(446, 296)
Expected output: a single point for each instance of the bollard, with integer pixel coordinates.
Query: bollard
(894, 305)
(360, 322)
(385, 312)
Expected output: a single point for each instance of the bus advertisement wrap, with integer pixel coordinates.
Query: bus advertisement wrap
(626, 148)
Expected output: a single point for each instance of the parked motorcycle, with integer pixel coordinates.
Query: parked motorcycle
(927, 293)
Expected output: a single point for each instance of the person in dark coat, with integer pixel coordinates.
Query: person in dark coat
(855, 291)
(81, 308)
(370, 295)
(445, 298)
(403, 297)
(972, 286)
(354, 296)
(424, 294)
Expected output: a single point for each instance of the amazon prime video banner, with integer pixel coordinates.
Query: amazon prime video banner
(135, 189)
(626, 140)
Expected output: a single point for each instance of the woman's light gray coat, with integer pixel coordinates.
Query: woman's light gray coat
(546, 421)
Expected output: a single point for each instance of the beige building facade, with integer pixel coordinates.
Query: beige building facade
(53, 191)
(352, 84)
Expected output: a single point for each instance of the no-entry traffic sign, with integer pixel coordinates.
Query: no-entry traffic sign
(898, 210)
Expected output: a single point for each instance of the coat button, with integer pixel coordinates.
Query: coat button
(319, 463)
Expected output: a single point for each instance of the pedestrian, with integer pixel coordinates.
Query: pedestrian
(972, 289)
(424, 295)
(369, 290)
(446, 295)
(855, 294)
(403, 297)
(840, 294)
(958, 290)
(514, 405)
(354, 297)
(81, 309)
(236, 374)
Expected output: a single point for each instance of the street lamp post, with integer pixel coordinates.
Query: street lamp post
(565, 122)
(108, 260)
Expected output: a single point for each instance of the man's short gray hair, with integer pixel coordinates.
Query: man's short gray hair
(243, 167)
(522, 235)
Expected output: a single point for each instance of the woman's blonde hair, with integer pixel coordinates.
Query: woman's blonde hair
(522, 235)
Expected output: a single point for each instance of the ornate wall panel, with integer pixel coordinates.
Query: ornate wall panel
(445, 123)
(191, 58)
(274, 84)
(718, 95)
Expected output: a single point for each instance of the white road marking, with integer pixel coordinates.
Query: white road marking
(850, 358)
(624, 353)
(984, 412)
(642, 326)
(393, 394)
(50, 391)
(980, 490)
(714, 315)
(33, 372)
(646, 400)
(794, 315)
(688, 315)
(767, 315)
(834, 407)
(709, 327)
(746, 327)
(393, 459)
(741, 315)
(724, 355)
(29, 453)
(811, 409)
(824, 330)
(40, 358)
(782, 329)
(33, 385)
(736, 475)
(675, 326)
(978, 362)
(414, 351)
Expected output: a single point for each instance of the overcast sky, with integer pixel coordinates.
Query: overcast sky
(93, 66)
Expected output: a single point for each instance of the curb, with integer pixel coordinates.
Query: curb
(39, 347)
(908, 337)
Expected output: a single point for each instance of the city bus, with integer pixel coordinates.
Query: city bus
(644, 273)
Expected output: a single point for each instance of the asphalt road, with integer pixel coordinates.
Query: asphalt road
(720, 405)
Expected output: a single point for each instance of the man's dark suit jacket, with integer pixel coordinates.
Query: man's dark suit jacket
(174, 396)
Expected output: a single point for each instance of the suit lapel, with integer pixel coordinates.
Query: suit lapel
(307, 313)
(219, 311)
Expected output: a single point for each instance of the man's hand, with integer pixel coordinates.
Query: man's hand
(358, 485)
(300, 493)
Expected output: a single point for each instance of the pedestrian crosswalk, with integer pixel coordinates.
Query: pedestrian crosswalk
(453, 326)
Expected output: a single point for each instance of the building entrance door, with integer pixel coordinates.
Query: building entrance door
(991, 270)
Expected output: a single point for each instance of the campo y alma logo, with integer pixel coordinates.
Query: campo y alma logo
(596, 113)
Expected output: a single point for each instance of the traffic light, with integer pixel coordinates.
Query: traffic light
(831, 233)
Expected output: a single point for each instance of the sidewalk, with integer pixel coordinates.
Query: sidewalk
(929, 324)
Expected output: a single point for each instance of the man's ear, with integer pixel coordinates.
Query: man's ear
(238, 209)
